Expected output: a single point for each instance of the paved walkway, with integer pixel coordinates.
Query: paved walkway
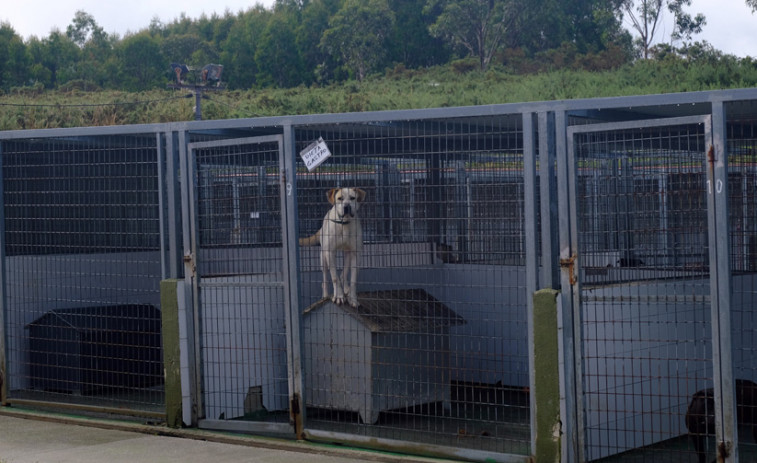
(42, 438)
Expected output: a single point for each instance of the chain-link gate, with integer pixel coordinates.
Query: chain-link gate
(644, 309)
(237, 268)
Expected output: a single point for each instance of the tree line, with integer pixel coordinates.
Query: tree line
(318, 42)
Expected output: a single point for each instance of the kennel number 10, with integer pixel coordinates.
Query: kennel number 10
(315, 153)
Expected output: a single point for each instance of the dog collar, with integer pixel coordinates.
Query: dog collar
(340, 222)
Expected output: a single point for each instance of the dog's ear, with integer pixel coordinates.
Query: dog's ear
(331, 194)
(360, 195)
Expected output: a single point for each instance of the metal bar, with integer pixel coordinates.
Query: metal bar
(550, 268)
(189, 231)
(635, 124)
(162, 196)
(427, 450)
(570, 360)
(290, 224)
(173, 204)
(245, 284)
(532, 279)
(260, 427)
(3, 296)
(716, 160)
(234, 142)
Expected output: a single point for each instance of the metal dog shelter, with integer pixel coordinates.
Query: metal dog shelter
(639, 210)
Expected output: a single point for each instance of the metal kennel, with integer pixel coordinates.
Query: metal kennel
(638, 210)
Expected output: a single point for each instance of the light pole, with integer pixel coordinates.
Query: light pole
(209, 80)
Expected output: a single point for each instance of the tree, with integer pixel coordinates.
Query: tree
(479, 26)
(84, 28)
(188, 49)
(588, 26)
(357, 34)
(314, 21)
(277, 58)
(59, 55)
(410, 41)
(142, 66)
(647, 16)
(14, 59)
(239, 48)
(752, 4)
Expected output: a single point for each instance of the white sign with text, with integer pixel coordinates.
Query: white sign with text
(315, 153)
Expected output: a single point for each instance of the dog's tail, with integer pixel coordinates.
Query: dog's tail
(311, 240)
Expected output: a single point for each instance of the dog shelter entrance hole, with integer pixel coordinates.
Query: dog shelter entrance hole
(391, 351)
(86, 349)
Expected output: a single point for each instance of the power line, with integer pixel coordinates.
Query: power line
(93, 105)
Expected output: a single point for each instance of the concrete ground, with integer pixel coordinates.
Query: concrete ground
(30, 437)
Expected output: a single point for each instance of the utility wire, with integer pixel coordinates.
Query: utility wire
(91, 105)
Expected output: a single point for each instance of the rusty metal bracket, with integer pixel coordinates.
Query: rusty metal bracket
(570, 264)
(189, 260)
(724, 450)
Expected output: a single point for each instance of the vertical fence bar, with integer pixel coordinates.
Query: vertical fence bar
(171, 209)
(550, 268)
(189, 231)
(720, 285)
(531, 228)
(568, 322)
(3, 292)
(290, 228)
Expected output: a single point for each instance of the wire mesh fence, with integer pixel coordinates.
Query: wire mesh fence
(82, 271)
(437, 351)
(431, 347)
(742, 192)
(241, 289)
(645, 294)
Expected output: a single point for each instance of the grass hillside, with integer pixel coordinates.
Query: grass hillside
(457, 84)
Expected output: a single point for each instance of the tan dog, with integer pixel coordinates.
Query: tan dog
(340, 231)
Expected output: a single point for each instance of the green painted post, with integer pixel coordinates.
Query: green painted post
(169, 308)
(546, 371)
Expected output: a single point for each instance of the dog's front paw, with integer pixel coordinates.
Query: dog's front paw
(338, 299)
(353, 301)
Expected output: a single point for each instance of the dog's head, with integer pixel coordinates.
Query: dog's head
(346, 200)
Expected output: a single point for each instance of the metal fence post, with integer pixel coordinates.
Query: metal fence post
(720, 285)
(571, 412)
(290, 226)
(550, 274)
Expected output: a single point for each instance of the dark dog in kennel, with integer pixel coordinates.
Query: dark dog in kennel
(700, 416)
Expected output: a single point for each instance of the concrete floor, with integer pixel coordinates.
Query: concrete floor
(27, 437)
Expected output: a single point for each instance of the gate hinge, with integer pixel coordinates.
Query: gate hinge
(570, 264)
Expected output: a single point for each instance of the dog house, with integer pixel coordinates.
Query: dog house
(391, 352)
(86, 349)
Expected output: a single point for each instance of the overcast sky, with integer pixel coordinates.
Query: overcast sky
(731, 26)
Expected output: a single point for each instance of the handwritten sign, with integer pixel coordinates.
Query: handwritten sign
(315, 153)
